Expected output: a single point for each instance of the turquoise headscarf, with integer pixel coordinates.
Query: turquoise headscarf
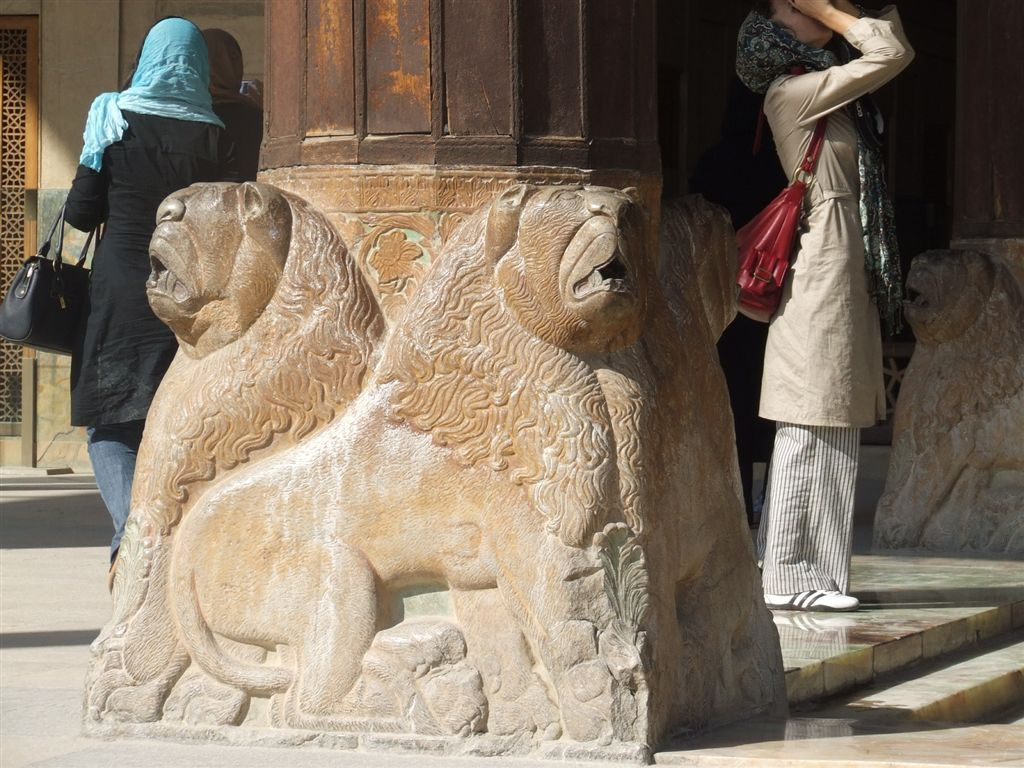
(172, 79)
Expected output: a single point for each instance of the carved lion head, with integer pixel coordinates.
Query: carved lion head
(490, 357)
(568, 264)
(947, 291)
(217, 256)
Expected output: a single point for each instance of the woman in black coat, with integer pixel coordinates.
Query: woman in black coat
(242, 116)
(141, 144)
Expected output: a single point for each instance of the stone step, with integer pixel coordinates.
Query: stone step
(982, 687)
(826, 655)
(919, 616)
(821, 743)
(911, 613)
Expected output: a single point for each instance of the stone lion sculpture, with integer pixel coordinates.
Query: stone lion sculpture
(956, 477)
(544, 435)
(236, 269)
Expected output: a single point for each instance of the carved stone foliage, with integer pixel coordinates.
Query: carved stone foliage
(398, 218)
(956, 477)
(541, 436)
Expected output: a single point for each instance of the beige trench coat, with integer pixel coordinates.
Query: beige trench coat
(823, 362)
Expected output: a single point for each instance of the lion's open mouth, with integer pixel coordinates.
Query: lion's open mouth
(163, 281)
(598, 264)
(610, 276)
(916, 299)
(918, 291)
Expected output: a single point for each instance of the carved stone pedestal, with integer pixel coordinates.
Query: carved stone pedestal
(463, 479)
(956, 477)
(506, 522)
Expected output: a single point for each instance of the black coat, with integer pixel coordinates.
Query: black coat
(124, 350)
(243, 133)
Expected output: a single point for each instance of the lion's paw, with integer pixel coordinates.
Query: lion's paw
(586, 695)
(521, 707)
(198, 700)
(418, 671)
(450, 701)
(125, 703)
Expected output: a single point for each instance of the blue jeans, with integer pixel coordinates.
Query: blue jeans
(112, 451)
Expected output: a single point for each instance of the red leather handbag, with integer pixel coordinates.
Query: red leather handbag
(765, 243)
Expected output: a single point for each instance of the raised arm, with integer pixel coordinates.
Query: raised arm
(885, 53)
(837, 15)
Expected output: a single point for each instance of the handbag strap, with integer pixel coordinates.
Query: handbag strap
(817, 140)
(814, 149)
(82, 254)
(58, 251)
(44, 249)
(57, 228)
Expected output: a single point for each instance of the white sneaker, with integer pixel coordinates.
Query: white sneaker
(815, 600)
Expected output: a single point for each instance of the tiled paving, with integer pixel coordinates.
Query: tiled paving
(815, 743)
(913, 609)
(916, 610)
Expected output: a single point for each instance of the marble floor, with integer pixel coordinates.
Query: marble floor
(913, 609)
(814, 743)
(935, 637)
(936, 620)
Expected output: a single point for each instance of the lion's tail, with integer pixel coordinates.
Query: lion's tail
(206, 651)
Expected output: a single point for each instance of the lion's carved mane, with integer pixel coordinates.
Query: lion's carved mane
(986, 334)
(498, 395)
(961, 406)
(300, 362)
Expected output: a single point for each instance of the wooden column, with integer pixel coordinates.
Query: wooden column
(989, 199)
(402, 115)
(496, 82)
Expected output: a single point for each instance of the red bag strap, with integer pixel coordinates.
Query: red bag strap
(814, 149)
(817, 140)
(759, 133)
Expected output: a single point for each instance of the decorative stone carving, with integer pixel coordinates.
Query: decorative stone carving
(425, 203)
(395, 255)
(277, 329)
(543, 437)
(956, 477)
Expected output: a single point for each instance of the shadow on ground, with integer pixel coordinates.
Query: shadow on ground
(64, 637)
(45, 520)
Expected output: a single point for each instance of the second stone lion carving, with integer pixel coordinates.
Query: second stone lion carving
(543, 436)
(956, 478)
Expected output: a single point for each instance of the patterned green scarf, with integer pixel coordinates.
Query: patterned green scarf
(766, 50)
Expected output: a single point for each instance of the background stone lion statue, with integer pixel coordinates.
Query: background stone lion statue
(956, 476)
(277, 330)
(545, 435)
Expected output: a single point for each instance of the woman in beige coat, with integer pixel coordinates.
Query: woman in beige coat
(823, 363)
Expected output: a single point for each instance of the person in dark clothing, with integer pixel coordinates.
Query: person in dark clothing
(242, 116)
(743, 175)
(140, 144)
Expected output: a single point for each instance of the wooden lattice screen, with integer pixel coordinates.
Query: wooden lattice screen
(18, 65)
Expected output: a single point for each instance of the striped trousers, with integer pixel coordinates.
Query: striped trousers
(806, 531)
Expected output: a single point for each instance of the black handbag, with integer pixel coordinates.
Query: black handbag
(47, 299)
